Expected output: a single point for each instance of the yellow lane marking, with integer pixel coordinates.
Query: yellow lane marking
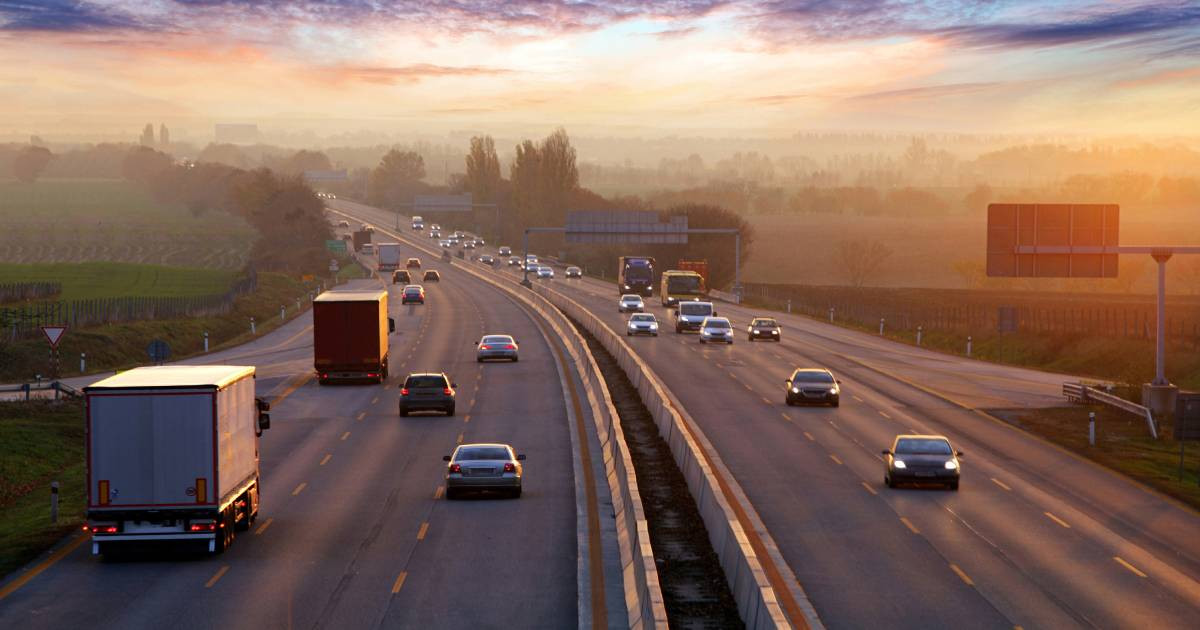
(262, 528)
(809, 436)
(300, 488)
(963, 576)
(835, 458)
(361, 415)
(909, 525)
(345, 435)
(421, 532)
(11, 587)
(1001, 484)
(399, 583)
(437, 494)
(460, 438)
(767, 400)
(785, 416)
(213, 579)
(1129, 566)
(325, 460)
(869, 488)
(1057, 520)
(884, 414)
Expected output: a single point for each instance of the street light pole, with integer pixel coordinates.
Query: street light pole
(1160, 362)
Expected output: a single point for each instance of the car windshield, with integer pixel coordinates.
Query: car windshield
(482, 453)
(683, 284)
(497, 339)
(630, 298)
(764, 323)
(696, 309)
(923, 446)
(433, 380)
(812, 376)
(643, 318)
(717, 323)
(412, 291)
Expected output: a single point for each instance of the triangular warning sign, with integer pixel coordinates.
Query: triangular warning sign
(53, 334)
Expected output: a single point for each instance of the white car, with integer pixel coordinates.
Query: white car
(642, 324)
(630, 303)
(717, 330)
(545, 272)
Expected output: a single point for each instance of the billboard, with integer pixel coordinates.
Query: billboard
(1052, 240)
(624, 226)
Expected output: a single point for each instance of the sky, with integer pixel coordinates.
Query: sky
(705, 67)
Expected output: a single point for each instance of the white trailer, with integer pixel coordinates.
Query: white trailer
(389, 256)
(172, 456)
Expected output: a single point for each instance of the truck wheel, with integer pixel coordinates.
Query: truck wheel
(243, 524)
(225, 533)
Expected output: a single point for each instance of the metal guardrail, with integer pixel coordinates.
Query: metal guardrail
(1082, 393)
(60, 389)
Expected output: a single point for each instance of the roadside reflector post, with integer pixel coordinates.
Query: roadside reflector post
(880, 326)
(252, 330)
(1092, 428)
(830, 314)
(53, 501)
(968, 345)
(281, 310)
(919, 331)
(206, 341)
(789, 307)
(82, 362)
(297, 304)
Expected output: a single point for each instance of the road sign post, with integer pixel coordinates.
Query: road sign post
(53, 335)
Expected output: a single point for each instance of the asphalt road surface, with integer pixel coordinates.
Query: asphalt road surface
(354, 531)
(1035, 537)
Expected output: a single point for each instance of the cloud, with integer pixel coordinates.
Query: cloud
(391, 75)
(927, 91)
(676, 33)
(64, 16)
(777, 99)
(1161, 77)
(1136, 22)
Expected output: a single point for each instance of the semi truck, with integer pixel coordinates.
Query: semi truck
(680, 286)
(389, 256)
(350, 336)
(172, 456)
(361, 237)
(635, 274)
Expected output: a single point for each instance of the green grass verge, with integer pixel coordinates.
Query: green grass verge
(114, 279)
(123, 345)
(40, 442)
(1122, 444)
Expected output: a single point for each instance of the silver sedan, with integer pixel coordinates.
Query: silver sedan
(497, 347)
(642, 324)
(716, 329)
(484, 467)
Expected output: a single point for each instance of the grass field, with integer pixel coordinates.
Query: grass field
(40, 442)
(112, 279)
(76, 220)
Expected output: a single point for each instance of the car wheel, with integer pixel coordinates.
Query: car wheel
(954, 486)
(450, 410)
(628, 334)
(835, 403)
(516, 359)
(451, 494)
(655, 334)
(479, 359)
(702, 340)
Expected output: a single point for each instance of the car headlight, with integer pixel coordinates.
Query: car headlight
(951, 465)
(653, 326)
(898, 463)
(795, 390)
(833, 390)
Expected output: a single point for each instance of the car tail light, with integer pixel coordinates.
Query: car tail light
(104, 529)
(324, 376)
(403, 391)
(372, 375)
(485, 347)
(206, 526)
(510, 467)
(455, 468)
(510, 347)
(447, 391)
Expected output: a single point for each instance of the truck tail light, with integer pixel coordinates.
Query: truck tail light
(202, 526)
(510, 467)
(104, 529)
(455, 468)
(403, 391)
(372, 375)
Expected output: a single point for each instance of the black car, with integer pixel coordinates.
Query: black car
(432, 276)
(813, 386)
(401, 276)
(921, 459)
(413, 294)
(427, 392)
(763, 328)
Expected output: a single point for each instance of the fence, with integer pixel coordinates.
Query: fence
(979, 311)
(26, 320)
(20, 291)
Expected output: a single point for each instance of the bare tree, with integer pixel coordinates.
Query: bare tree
(861, 260)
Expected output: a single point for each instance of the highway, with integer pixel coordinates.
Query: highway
(1036, 537)
(354, 531)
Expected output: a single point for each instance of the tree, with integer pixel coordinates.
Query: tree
(305, 160)
(717, 249)
(30, 162)
(483, 170)
(544, 178)
(977, 200)
(397, 178)
(861, 260)
(143, 164)
(147, 139)
(224, 153)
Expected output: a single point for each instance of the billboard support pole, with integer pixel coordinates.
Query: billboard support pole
(1160, 367)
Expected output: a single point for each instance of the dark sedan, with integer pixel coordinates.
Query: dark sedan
(483, 467)
(813, 386)
(921, 459)
(413, 294)
(427, 392)
(763, 328)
